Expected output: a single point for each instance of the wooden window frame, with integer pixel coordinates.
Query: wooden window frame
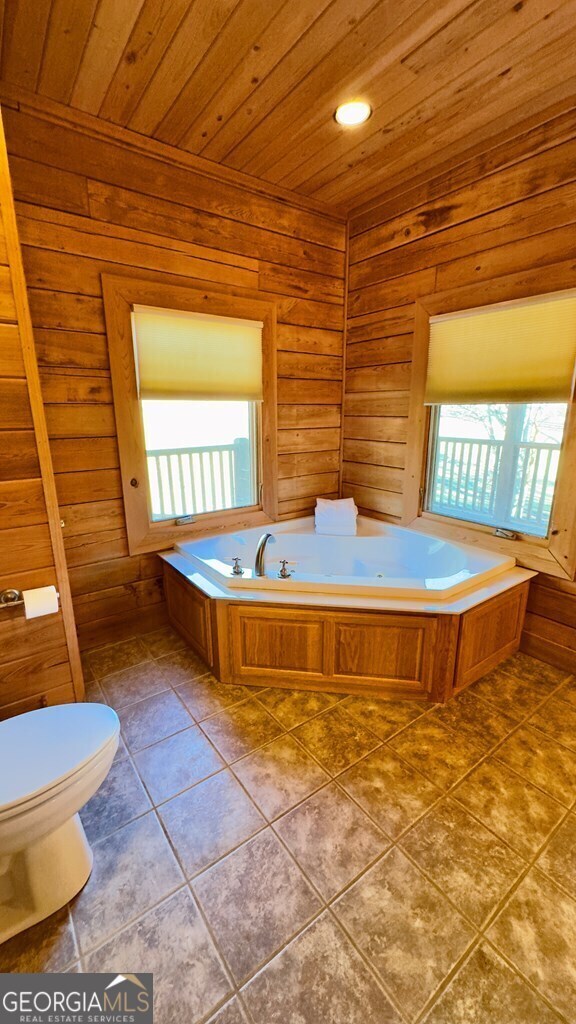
(121, 293)
(554, 555)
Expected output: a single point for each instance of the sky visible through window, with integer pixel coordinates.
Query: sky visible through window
(197, 461)
(544, 422)
(188, 424)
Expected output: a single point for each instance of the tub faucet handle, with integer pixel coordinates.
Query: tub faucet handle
(284, 574)
(237, 569)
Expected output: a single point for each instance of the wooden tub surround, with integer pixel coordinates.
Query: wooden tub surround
(306, 642)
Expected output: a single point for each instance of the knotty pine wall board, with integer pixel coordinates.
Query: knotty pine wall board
(87, 207)
(505, 215)
(39, 659)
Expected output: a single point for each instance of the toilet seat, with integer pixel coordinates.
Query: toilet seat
(41, 750)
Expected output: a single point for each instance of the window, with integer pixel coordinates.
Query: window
(194, 383)
(200, 387)
(201, 456)
(498, 383)
(496, 464)
(491, 450)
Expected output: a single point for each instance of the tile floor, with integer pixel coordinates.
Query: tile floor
(304, 858)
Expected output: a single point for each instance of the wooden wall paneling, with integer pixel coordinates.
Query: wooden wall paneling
(550, 627)
(30, 532)
(218, 235)
(505, 219)
(99, 158)
(535, 133)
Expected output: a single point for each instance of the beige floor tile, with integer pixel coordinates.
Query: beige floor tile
(534, 671)
(232, 1013)
(442, 755)
(133, 869)
(537, 932)
(293, 707)
(47, 947)
(208, 821)
(121, 752)
(513, 695)
(153, 719)
(279, 775)
(407, 929)
(331, 838)
(240, 729)
(172, 942)
(163, 641)
(486, 724)
(567, 692)
(389, 790)
(318, 979)
(542, 761)
(558, 859)
(558, 720)
(516, 811)
(206, 696)
(135, 683)
(336, 739)
(86, 668)
(114, 657)
(255, 900)
(182, 666)
(120, 799)
(486, 991)
(384, 717)
(413, 910)
(176, 763)
(469, 864)
(93, 692)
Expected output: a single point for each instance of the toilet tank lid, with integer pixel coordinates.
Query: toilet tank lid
(40, 748)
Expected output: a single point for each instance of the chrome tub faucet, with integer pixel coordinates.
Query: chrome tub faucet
(260, 551)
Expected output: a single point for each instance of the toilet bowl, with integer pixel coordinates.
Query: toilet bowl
(51, 762)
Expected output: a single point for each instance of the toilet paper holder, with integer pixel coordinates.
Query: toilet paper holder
(10, 598)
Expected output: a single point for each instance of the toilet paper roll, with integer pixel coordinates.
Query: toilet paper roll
(42, 601)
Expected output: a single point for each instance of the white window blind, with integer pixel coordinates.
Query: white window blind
(196, 355)
(514, 352)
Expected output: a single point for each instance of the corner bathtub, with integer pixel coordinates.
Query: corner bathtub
(381, 560)
(391, 612)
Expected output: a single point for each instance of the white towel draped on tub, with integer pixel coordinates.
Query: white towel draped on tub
(337, 518)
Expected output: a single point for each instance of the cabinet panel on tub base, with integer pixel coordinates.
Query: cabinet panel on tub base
(425, 657)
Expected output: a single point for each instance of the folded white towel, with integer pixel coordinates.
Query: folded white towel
(336, 517)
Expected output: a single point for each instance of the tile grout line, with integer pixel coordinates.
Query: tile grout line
(499, 908)
(395, 843)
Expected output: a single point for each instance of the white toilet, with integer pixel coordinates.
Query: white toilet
(51, 762)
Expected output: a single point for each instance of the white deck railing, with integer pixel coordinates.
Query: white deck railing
(472, 480)
(188, 481)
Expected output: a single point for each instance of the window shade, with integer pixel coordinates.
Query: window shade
(520, 352)
(196, 356)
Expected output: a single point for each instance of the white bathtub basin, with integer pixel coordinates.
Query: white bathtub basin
(381, 560)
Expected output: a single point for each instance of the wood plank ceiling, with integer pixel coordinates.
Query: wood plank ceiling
(252, 84)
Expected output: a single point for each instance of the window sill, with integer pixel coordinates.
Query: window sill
(160, 536)
(529, 552)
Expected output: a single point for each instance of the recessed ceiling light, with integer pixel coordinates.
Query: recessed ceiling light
(355, 112)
